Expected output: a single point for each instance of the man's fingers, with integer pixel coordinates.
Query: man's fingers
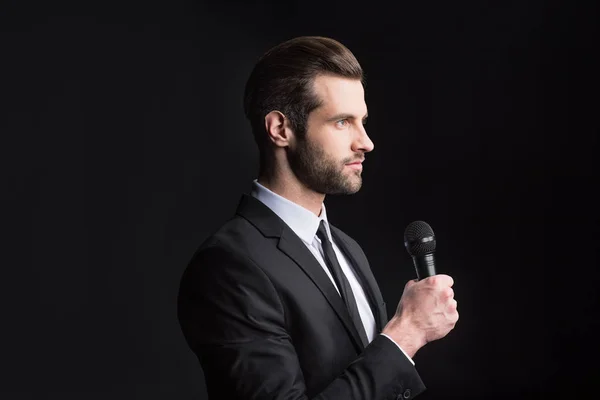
(410, 283)
(449, 292)
(440, 279)
(453, 304)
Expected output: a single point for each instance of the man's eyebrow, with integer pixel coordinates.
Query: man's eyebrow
(337, 117)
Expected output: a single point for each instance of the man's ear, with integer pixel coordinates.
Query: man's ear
(278, 129)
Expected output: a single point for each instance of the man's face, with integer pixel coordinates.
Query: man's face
(329, 158)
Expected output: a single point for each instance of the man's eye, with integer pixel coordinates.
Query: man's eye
(342, 122)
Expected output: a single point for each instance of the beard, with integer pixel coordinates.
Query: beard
(322, 173)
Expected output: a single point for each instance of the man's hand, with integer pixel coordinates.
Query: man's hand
(426, 312)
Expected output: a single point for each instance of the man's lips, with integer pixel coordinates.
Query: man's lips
(355, 164)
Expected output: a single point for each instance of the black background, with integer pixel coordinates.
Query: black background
(124, 146)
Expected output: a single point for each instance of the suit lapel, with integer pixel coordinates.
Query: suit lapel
(289, 243)
(366, 278)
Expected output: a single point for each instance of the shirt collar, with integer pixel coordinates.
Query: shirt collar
(303, 222)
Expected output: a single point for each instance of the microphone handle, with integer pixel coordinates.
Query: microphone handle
(425, 265)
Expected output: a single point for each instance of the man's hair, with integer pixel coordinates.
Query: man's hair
(283, 79)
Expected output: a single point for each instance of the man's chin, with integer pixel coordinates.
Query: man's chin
(355, 184)
(348, 189)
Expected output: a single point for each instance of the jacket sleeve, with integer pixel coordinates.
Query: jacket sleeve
(232, 318)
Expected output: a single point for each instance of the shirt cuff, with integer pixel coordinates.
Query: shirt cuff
(409, 359)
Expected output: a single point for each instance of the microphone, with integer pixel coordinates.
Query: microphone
(420, 244)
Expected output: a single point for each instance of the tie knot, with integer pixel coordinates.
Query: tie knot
(322, 232)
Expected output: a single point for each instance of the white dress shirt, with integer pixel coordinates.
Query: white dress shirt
(305, 224)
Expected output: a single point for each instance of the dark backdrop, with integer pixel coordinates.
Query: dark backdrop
(124, 146)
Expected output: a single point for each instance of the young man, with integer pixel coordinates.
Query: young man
(280, 304)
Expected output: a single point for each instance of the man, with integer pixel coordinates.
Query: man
(278, 303)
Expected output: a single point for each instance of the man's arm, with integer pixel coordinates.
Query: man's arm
(233, 319)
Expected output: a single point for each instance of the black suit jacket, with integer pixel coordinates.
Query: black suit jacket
(266, 322)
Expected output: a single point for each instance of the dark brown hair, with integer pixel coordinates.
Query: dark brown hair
(283, 77)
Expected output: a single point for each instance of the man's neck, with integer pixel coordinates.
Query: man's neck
(294, 191)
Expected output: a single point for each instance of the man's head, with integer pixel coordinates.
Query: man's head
(305, 102)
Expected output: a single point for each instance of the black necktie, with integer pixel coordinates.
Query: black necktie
(341, 281)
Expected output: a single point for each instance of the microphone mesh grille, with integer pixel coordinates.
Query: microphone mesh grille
(419, 238)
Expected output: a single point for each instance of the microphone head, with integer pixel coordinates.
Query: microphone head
(419, 238)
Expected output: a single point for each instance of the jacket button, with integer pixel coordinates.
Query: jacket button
(406, 394)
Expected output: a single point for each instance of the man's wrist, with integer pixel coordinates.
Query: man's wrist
(393, 341)
(406, 337)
